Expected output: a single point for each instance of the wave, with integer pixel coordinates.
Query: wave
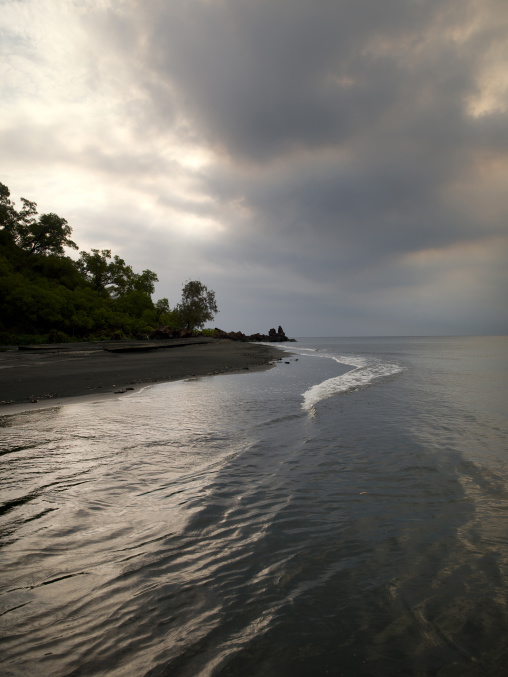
(364, 371)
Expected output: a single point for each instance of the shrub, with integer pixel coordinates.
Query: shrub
(56, 336)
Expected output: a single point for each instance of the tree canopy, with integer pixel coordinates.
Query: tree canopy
(114, 277)
(48, 234)
(197, 306)
(47, 295)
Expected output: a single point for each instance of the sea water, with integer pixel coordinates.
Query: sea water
(344, 513)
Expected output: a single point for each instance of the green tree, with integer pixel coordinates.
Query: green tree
(161, 310)
(48, 234)
(7, 215)
(145, 282)
(61, 269)
(45, 294)
(114, 277)
(96, 268)
(197, 306)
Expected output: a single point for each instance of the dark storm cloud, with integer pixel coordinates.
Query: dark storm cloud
(262, 77)
(383, 82)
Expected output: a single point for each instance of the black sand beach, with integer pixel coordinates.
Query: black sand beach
(45, 373)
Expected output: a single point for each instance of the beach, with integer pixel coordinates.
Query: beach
(45, 373)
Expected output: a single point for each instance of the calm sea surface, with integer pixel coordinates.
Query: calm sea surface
(343, 514)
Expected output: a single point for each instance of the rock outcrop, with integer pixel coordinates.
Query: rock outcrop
(163, 333)
(272, 337)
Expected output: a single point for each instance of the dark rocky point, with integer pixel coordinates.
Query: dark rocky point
(272, 337)
(163, 333)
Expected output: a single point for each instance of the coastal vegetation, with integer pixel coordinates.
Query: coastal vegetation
(48, 297)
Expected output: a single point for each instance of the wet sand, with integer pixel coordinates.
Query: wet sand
(32, 377)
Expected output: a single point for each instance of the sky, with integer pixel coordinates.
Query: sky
(337, 167)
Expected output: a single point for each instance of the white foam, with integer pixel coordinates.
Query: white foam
(365, 371)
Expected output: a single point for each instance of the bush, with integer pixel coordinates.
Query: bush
(56, 336)
(14, 339)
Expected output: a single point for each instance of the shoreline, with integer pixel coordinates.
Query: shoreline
(54, 375)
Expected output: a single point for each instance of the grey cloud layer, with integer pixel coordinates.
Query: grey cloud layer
(260, 78)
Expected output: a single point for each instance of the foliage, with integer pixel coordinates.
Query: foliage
(95, 268)
(48, 234)
(161, 311)
(45, 296)
(115, 278)
(197, 306)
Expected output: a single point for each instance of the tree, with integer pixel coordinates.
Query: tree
(96, 269)
(7, 211)
(161, 309)
(145, 282)
(115, 277)
(197, 306)
(48, 234)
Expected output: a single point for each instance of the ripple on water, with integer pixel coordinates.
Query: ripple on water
(213, 527)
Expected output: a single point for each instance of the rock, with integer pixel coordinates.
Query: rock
(273, 336)
(231, 335)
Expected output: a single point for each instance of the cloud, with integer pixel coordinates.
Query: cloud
(337, 164)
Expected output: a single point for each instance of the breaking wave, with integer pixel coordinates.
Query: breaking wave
(364, 371)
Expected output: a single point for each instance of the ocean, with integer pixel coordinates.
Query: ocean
(344, 513)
